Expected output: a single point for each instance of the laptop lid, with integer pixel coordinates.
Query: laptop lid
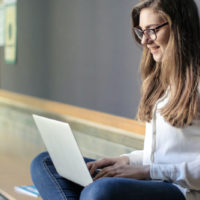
(63, 150)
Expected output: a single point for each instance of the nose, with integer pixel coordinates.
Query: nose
(144, 40)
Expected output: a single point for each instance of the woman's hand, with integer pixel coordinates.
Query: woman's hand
(118, 167)
(106, 162)
(126, 171)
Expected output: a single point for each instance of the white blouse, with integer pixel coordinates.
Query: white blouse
(172, 153)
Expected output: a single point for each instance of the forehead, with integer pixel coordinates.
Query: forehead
(149, 17)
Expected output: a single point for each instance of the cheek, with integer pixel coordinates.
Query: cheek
(165, 40)
(163, 43)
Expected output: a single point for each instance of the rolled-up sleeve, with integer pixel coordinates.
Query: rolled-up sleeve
(135, 157)
(185, 174)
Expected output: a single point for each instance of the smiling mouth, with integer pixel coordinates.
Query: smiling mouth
(154, 49)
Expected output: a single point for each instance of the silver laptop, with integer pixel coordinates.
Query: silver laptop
(63, 149)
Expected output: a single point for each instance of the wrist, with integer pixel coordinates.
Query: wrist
(125, 160)
(146, 172)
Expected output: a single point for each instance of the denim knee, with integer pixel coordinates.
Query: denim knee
(37, 163)
(101, 189)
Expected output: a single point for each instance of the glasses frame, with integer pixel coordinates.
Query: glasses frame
(149, 29)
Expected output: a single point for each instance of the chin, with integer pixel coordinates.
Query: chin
(157, 58)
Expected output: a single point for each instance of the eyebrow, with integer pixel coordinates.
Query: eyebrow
(149, 26)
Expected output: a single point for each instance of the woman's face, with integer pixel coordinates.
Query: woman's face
(151, 19)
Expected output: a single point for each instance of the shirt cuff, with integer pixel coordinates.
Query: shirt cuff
(135, 157)
(160, 172)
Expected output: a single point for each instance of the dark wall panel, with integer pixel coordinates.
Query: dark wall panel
(93, 58)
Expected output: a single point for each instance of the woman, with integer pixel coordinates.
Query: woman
(169, 166)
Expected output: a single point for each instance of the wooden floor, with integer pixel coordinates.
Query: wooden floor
(13, 172)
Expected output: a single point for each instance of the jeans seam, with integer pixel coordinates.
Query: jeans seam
(53, 179)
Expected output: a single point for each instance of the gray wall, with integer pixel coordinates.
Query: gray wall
(93, 60)
(79, 52)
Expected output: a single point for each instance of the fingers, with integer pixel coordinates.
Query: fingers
(101, 174)
(115, 171)
(110, 171)
(92, 166)
(99, 164)
(126, 171)
(105, 162)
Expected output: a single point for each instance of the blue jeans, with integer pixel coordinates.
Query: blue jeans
(53, 187)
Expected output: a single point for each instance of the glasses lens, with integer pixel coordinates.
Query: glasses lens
(150, 34)
(139, 33)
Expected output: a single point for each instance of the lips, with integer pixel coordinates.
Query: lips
(154, 49)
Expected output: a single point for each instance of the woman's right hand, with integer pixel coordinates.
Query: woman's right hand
(106, 162)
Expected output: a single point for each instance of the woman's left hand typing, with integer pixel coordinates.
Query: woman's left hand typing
(126, 171)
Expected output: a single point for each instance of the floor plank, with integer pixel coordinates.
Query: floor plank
(14, 171)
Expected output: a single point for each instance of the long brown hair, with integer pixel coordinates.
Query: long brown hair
(180, 67)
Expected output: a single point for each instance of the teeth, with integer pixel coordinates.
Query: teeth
(155, 48)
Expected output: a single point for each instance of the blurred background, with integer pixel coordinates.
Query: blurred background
(78, 52)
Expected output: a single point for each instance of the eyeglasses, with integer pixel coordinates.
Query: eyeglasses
(150, 33)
